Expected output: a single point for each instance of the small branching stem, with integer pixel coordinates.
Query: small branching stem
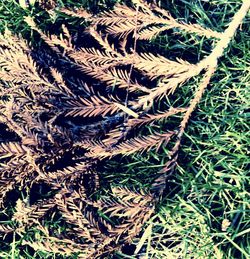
(226, 37)
(192, 106)
(210, 64)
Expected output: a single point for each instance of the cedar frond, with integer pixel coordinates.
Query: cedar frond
(62, 87)
(49, 145)
(119, 15)
(133, 207)
(85, 225)
(132, 227)
(74, 217)
(31, 138)
(129, 203)
(124, 20)
(203, 85)
(139, 144)
(52, 40)
(103, 41)
(167, 86)
(118, 133)
(80, 13)
(151, 32)
(13, 149)
(18, 67)
(94, 106)
(26, 215)
(115, 77)
(159, 184)
(128, 195)
(156, 66)
(149, 118)
(5, 229)
(68, 171)
(95, 57)
(9, 41)
(17, 176)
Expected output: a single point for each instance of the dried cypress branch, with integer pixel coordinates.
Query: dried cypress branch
(121, 21)
(95, 106)
(5, 229)
(130, 146)
(26, 215)
(80, 13)
(64, 127)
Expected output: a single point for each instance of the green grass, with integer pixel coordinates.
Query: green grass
(212, 180)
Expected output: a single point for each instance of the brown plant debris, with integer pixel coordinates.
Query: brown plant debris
(85, 105)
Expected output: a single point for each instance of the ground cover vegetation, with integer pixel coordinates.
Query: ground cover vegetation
(124, 129)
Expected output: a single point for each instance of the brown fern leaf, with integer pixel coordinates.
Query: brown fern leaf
(127, 195)
(115, 77)
(165, 87)
(155, 66)
(150, 118)
(68, 171)
(5, 229)
(124, 20)
(103, 41)
(19, 68)
(116, 134)
(84, 223)
(26, 215)
(132, 227)
(80, 13)
(62, 87)
(133, 207)
(52, 40)
(112, 77)
(19, 175)
(73, 215)
(96, 57)
(139, 144)
(131, 203)
(11, 170)
(57, 129)
(94, 106)
(14, 149)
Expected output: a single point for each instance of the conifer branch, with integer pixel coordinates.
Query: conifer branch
(139, 144)
(62, 128)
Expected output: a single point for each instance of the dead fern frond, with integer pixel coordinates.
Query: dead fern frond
(13, 149)
(95, 106)
(28, 215)
(122, 21)
(139, 144)
(150, 118)
(155, 66)
(70, 108)
(69, 171)
(73, 215)
(133, 207)
(5, 229)
(80, 13)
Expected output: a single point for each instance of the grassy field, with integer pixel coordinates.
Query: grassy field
(205, 212)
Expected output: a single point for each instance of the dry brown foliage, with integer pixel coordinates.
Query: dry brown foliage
(62, 126)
